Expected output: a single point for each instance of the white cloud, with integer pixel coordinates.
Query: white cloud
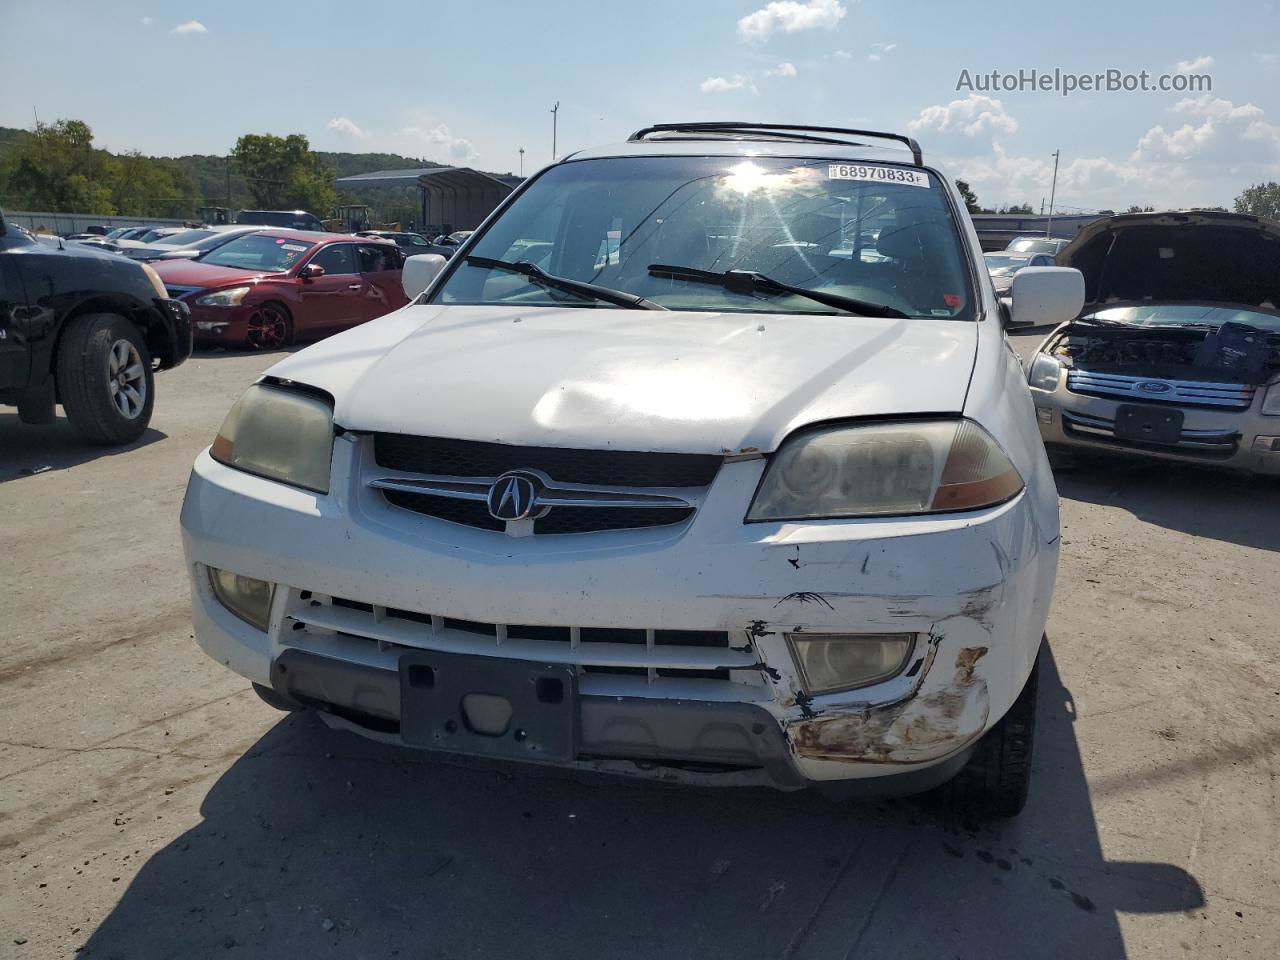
(784, 69)
(843, 55)
(347, 127)
(1218, 147)
(148, 21)
(191, 26)
(790, 16)
(1203, 62)
(458, 149)
(973, 116)
(879, 50)
(725, 84)
(1221, 132)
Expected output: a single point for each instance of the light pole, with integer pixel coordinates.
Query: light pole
(522, 161)
(1048, 227)
(555, 115)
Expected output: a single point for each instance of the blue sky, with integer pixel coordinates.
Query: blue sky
(473, 81)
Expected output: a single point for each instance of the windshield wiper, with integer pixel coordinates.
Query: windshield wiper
(749, 281)
(618, 298)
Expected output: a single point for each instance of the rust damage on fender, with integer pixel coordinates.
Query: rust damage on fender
(914, 730)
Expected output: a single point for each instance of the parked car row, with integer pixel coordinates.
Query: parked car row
(821, 393)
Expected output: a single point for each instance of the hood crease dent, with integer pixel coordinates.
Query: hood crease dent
(680, 382)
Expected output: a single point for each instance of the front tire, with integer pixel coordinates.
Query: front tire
(995, 781)
(104, 378)
(269, 328)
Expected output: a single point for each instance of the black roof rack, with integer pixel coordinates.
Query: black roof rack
(787, 131)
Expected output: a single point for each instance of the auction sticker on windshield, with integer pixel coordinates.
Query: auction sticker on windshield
(860, 171)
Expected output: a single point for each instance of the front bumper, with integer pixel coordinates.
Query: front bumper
(1242, 440)
(217, 325)
(175, 343)
(359, 582)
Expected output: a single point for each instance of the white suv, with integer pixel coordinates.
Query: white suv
(792, 526)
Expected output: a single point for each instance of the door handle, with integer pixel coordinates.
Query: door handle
(353, 286)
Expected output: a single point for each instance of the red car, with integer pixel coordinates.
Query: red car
(264, 290)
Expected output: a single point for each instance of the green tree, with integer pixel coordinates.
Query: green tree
(1262, 200)
(59, 170)
(1137, 209)
(1019, 209)
(970, 198)
(284, 173)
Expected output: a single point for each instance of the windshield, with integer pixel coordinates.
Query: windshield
(216, 238)
(1002, 266)
(301, 220)
(185, 237)
(259, 252)
(1175, 314)
(877, 233)
(1034, 246)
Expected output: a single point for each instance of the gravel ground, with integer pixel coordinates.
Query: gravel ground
(151, 806)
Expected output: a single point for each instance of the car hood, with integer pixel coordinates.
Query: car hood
(673, 381)
(1202, 257)
(186, 273)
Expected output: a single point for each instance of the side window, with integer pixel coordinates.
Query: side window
(336, 258)
(376, 258)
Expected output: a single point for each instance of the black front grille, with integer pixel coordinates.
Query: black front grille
(612, 468)
(592, 519)
(471, 513)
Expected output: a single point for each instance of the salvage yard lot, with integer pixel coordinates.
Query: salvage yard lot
(152, 806)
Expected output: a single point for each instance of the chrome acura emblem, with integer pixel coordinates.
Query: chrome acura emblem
(513, 496)
(1153, 386)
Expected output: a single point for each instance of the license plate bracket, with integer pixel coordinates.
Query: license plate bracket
(442, 696)
(1148, 424)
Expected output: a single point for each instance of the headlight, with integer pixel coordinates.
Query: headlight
(156, 283)
(885, 469)
(1271, 402)
(230, 297)
(832, 662)
(279, 434)
(1044, 372)
(246, 597)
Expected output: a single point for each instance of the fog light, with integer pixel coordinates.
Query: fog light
(247, 598)
(844, 661)
(1266, 444)
(1044, 414)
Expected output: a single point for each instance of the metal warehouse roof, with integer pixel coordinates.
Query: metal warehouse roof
(461, 178)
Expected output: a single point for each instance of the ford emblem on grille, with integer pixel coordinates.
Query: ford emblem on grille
(513, 496)
(1154, 386)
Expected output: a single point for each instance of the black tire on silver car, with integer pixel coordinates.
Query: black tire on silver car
(104, 378)
(994, 782)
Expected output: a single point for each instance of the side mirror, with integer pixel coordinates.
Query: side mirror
(1045, 296)
(419, 272)
(311, 271)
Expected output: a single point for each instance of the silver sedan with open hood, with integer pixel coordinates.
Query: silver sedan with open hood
(1176, 354)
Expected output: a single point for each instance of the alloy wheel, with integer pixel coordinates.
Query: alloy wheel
(268, 329)
(127, 379)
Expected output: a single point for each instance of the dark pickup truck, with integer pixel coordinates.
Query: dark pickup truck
(85, 329)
